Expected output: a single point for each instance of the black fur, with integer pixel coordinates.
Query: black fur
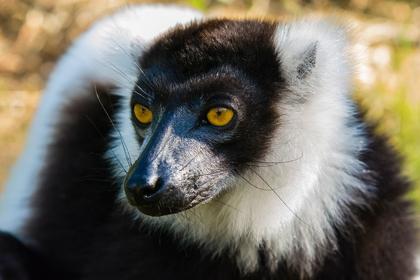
(18, 262)
(78, 226)
(221, 58)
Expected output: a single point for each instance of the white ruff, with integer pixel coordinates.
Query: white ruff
(312, 187)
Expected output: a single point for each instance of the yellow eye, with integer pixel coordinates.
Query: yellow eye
(220, 116)
(143, 114)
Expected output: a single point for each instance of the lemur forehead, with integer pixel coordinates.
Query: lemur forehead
(200, 47)
(222, 82)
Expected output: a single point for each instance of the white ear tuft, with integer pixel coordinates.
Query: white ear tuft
(314, 56)
(308, 61)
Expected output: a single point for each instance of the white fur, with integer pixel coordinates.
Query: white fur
(314, 185)
(105, 54)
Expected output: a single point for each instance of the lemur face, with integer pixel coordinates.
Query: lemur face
(203, 93)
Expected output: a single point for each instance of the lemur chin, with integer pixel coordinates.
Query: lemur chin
(168, 146)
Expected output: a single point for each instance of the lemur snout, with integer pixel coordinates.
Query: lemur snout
(152, 195)
(147, 193)
(142, 191)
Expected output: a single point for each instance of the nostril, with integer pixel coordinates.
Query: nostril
(141, 192)
(147, 191)
(150, 191)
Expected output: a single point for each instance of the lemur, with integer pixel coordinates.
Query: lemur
(170, 146)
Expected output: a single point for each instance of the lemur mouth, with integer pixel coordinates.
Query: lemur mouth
(163, 200)
(162, 209)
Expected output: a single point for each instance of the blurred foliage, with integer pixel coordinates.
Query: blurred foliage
(33, 34)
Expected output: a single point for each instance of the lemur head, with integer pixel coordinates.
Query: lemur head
(246, 129)
(204, 109)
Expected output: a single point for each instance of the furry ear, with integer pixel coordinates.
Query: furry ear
(308, 61)
(314, 57)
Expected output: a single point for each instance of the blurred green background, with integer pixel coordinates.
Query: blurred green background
(33, 34)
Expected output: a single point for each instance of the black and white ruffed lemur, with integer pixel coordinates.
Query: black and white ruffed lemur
(167, 146)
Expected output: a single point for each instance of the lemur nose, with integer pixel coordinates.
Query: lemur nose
(140, 191)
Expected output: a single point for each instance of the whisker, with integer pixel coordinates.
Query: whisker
(137, 65)
(87, 179)
(228, 205)
(112, 150)
(184, 214)
(122, 74)
(188, 163)
(208, 174)
(104, 207)
(273, 163)
(252, 183)
(216, 200)
(121, 84)
(180, 221)
(199, 221)
(126, 152)
(119, 72)
(294, 214)
(160, 232)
